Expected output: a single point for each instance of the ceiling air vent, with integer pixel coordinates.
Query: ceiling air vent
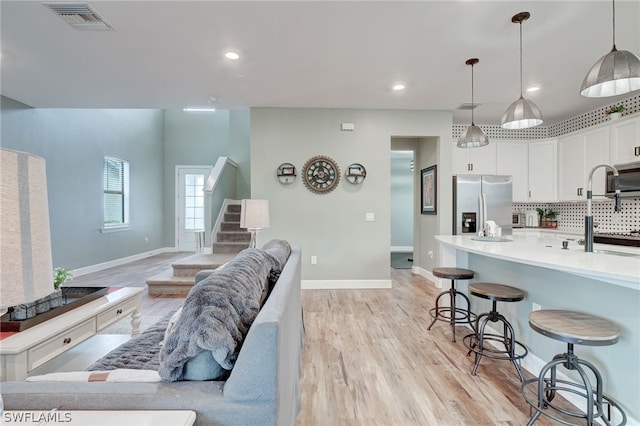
(468, 106)
(79, 16)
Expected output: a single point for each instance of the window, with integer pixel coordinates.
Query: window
(116, 192)
(194, 202)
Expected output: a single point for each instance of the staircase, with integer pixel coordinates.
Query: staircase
(230, 240)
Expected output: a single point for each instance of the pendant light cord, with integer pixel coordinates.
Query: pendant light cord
(472, 102)
(614, 23)
(521, 59)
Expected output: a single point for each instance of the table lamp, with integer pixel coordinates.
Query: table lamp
(26, 267)
(254, 216)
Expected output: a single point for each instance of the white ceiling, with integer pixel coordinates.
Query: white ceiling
(345, 54)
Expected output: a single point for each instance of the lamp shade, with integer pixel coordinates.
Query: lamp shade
(521, 114)
(254, 214)
(26, 267)
(473, 137)
(616, 73)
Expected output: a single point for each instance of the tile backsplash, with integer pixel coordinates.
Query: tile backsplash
(571, 215)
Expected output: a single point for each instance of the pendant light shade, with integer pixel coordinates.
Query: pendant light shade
(523, 113)
(473, 137)
(616, 73)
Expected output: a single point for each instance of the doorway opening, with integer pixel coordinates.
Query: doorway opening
(402, 208)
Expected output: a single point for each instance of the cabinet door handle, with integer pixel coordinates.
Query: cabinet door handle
(67, 340)
(119, 311)
(529, 194)
(636, 151)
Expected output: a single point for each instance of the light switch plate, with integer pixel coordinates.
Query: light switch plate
(369, 217)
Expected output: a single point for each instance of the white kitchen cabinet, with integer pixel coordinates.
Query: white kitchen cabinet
(543, 160)
(625, 140)
(512, 159)
(577, 155)
(474, 161)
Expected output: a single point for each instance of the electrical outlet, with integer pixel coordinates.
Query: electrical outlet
(146, 239)
(535, 307)
(430, 254)
(314, 260)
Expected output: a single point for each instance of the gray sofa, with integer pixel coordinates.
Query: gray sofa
(263, 388)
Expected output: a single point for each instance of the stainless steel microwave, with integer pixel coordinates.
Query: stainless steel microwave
(628, 180)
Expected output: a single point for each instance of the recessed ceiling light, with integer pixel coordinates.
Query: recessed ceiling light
(231, 55)
(198, 109)
(398, 87)
(533, 89)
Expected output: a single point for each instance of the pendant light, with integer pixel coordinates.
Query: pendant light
(473, 137)
(523, 113)
(616, 73)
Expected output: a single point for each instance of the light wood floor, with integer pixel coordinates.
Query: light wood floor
(369, 358)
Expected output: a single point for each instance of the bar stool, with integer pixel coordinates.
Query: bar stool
(452, 314)
(476, 342)
(572, 328)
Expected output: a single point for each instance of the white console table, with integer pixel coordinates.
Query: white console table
(27, 350)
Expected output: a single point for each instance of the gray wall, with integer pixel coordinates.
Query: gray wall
(332, 226)
(190, 139)
(74, 142)
(240, 149)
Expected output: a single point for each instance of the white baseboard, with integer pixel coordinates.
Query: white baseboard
(401, 249)
(124, 260)
(428, 275)
(344, 284)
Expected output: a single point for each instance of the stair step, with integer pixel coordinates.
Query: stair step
(229, 248)
(232, 217)
(230, 227)
(234, 208)
(233, 237)
(191, 265)
(166, 283)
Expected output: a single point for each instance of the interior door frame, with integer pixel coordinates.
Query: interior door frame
(176, 201)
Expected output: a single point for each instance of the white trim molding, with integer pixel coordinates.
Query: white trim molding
(122, 261)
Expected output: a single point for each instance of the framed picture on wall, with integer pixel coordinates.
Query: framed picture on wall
(428, 190)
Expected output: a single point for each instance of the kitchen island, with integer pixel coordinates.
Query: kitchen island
(602, 284)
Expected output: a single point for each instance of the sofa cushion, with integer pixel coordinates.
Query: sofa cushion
(280, 250)
(217, 314)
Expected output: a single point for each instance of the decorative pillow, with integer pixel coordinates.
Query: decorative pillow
(203, 367)
(113, 376)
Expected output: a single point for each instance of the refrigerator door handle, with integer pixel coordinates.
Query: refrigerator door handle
(482, 209)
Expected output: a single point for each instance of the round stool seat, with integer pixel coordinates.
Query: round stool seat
(574, 327)
(453, 273)
(496, 292)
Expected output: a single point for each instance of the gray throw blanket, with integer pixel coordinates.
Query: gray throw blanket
(217, 314)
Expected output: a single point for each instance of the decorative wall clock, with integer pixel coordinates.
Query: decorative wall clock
(321, 174)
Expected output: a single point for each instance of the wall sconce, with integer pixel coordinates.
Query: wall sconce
(286, 173)
(355, 173)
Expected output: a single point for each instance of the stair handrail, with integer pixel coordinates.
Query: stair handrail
(217, 196)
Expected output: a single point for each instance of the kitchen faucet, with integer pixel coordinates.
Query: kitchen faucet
(588, 220)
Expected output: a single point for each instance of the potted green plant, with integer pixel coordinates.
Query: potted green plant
(550, 219)
(60, 276)
(615, 111)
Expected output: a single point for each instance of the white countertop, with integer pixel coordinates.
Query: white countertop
(547, 252)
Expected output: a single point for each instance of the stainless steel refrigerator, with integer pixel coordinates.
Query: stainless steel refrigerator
(479, 198)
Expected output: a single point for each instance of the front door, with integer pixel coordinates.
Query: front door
(190, 218)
